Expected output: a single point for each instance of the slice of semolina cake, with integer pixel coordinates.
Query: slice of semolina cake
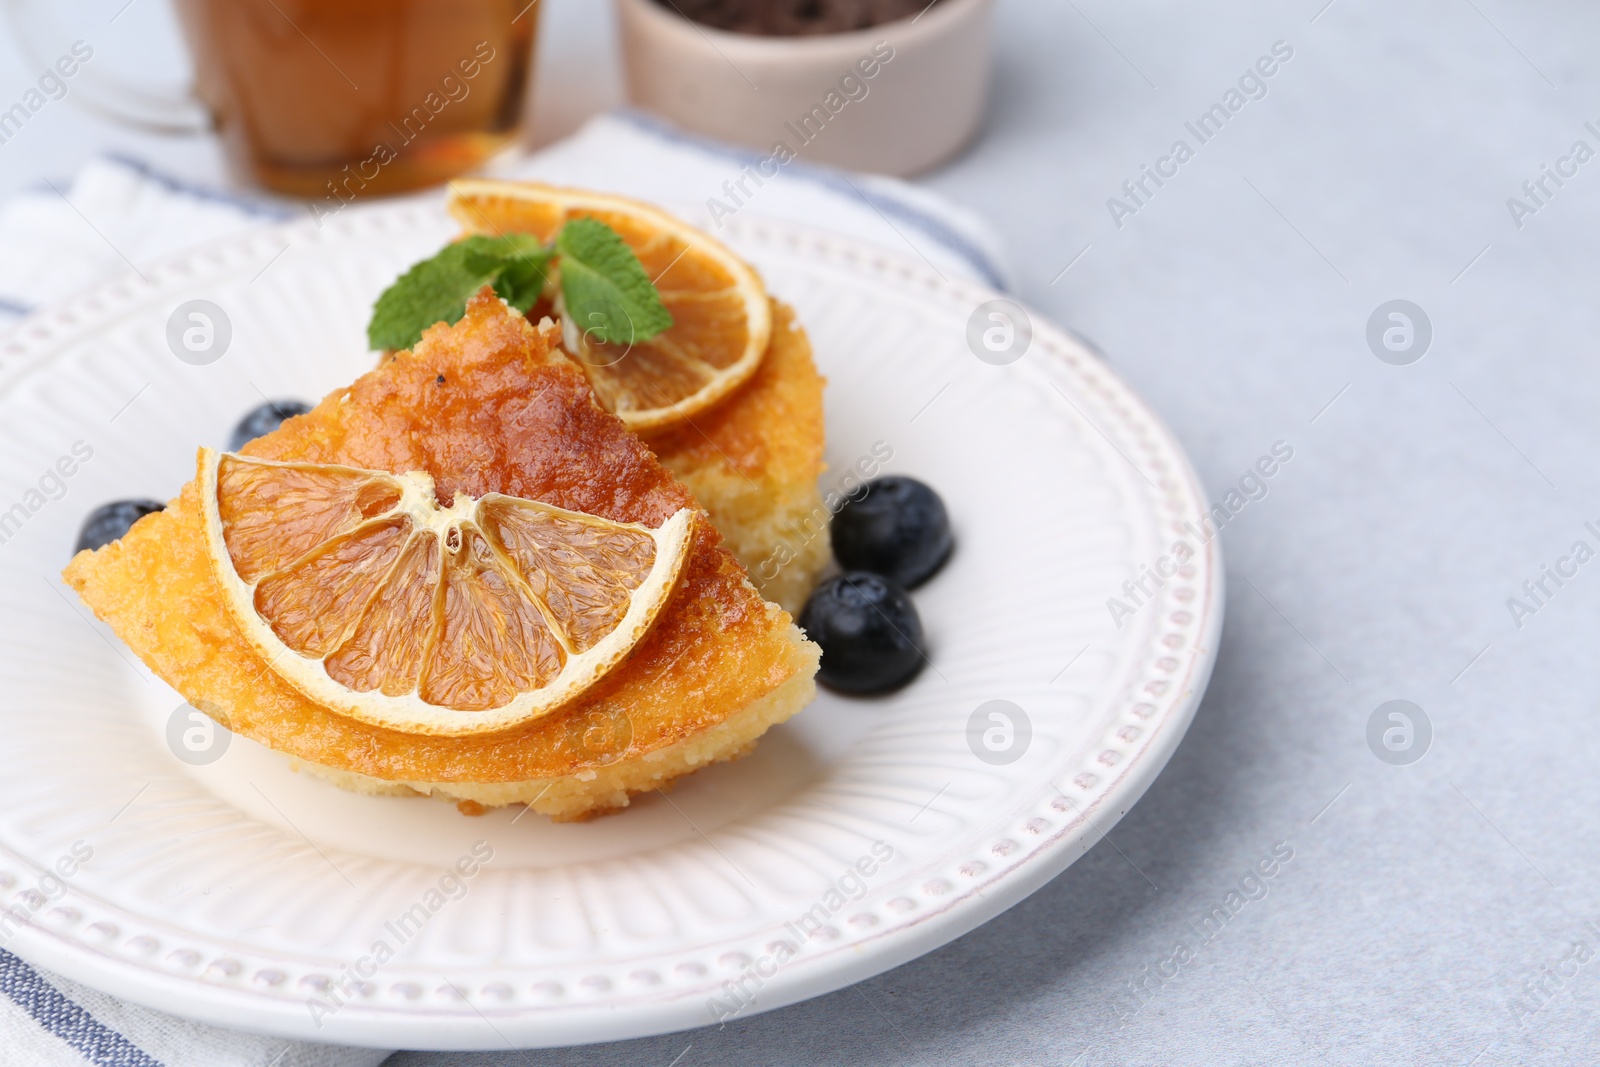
(486, 405)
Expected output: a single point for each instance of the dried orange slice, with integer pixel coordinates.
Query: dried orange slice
(721, 321)
(365, 594)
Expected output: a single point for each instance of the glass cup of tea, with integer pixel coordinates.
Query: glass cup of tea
(323, 99)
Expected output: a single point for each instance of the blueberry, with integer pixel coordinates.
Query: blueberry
(108, 522)
(896, 527)
(869, 631)
(263, 420)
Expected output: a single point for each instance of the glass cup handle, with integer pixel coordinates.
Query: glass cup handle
(43, 40)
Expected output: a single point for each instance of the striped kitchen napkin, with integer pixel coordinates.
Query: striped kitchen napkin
(65, 236)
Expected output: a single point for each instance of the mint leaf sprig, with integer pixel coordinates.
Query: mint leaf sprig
(605, 294)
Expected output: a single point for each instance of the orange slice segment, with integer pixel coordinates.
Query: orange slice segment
(374, 601)
(721, 320)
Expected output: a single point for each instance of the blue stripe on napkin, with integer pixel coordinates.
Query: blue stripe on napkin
(65, 1019)
(276, 210)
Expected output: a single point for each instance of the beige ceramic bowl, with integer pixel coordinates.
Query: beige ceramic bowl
(895, 99)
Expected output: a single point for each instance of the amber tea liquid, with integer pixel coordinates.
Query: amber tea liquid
(335, 99)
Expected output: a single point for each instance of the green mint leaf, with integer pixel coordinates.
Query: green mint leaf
(434, 290)
(608, 295)
(525, 269)
(437, 289)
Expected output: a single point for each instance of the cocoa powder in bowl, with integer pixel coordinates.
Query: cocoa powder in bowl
(795, 18)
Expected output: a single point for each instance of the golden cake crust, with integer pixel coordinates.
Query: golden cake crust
(753, 462)
(483, 406)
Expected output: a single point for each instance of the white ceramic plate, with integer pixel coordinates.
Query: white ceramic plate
(242, 893)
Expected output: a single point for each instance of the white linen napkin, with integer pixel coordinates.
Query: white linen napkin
(47, 1021)
(117, 213)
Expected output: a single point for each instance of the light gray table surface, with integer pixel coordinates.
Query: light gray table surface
(1430, 911)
